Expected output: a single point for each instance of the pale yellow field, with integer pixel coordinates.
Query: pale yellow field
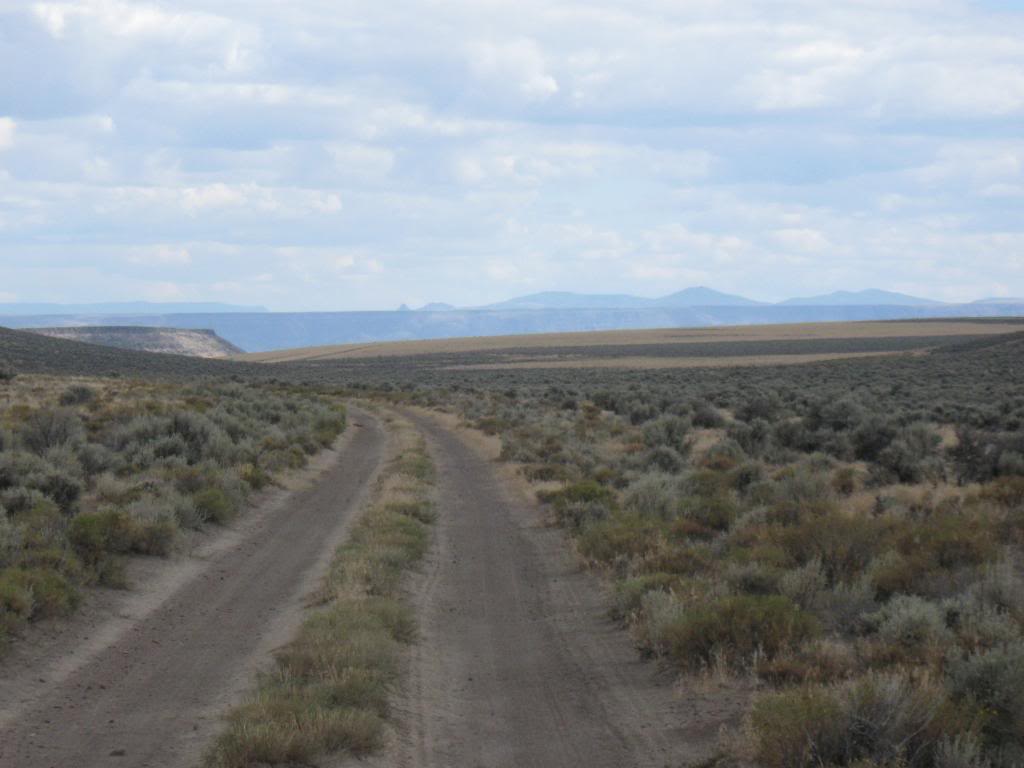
(640, 337)
(656, 363)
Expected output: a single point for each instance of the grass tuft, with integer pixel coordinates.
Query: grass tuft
(330, 686)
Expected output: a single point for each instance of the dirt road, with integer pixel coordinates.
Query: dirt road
(151, 696)
(517, 664)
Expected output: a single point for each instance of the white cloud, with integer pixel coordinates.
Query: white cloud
(7, 128)
(517, 65)
(762, 148)
(805, 240)
(194, 199)
(160, 255)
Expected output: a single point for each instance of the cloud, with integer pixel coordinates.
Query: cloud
(517, 65)
(160, 255)
(7, 128)
(805, 240)
(453, 151)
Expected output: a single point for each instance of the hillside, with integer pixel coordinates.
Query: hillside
(174, 341)
(25, 352)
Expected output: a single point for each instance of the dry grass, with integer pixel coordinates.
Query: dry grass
(330, 688)
(801, 331)
(658, 363)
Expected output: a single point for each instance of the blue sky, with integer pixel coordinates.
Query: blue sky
(319, 154)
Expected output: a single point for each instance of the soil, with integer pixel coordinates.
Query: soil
(517, 663)
(147, 686)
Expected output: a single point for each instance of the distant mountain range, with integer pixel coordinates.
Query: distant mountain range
(260, 331)
(689, 297)
(871, 297)
(124, 308)
(701, 296)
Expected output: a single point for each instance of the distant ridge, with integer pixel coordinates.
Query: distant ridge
(866, 298)
(1000, 300)
(124, 308)
(699, 296)
(174, 341)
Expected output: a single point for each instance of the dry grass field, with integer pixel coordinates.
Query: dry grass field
(641, 363)
(665, 337)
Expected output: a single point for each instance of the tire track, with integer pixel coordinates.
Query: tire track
(152, 697)
(518, 664)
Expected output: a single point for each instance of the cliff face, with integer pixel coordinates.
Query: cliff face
(176, 341)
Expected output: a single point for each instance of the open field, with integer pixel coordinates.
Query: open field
(936, 329)
(667, 362)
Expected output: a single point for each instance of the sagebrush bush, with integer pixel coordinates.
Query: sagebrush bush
(78, 394)
(668, 430)
(51, 428)
(656, 495)
(993, 680)
(912, 623)
(10, 540)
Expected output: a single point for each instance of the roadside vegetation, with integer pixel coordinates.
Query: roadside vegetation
(329, 688)
(854, 549)
(95, 470)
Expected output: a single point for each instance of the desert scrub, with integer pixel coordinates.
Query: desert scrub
(733, 631)
(94, 470)
(329, 689)
(878, 719)
(849, 528)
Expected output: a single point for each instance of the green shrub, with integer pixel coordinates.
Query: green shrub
(96, 535)
(214, 505)
(733, 629)
(798, 729)
(630, 593)
(842, 545)
(620, 536)
(36, 593)
(875, 720)
(78, 394)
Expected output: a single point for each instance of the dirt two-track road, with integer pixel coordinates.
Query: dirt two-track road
(516, 666)
(151, 695)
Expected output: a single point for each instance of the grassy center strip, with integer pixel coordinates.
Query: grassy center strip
(329, 688)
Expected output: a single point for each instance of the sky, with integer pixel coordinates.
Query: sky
(346, 154)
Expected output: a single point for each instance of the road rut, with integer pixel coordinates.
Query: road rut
(152, 697)
(518, 664)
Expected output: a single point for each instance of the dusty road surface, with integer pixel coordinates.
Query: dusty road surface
(517, 664)
(151, 695)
